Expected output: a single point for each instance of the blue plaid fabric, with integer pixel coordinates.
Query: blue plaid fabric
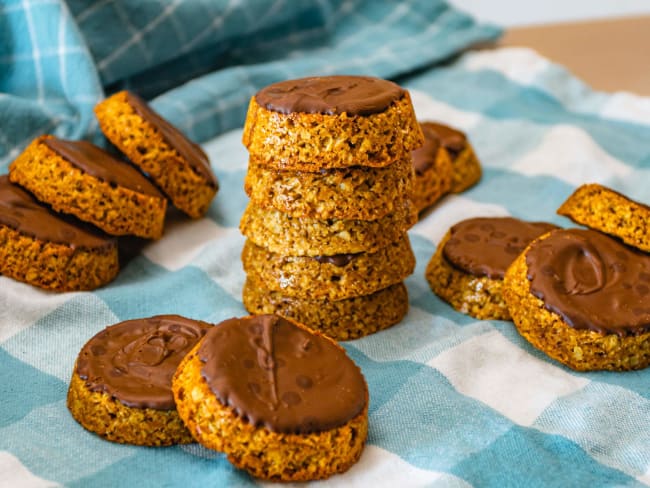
(57, 60)
(453, 401)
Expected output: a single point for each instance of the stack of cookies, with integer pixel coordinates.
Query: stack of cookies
(329, 180)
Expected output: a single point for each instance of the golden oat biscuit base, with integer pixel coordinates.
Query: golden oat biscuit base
(431, 184)
(342, 320)
(122, 379)
(466, 166)
(98, 412)
(315, 141)
(178, 166)
(262, 452)
(466, 170)
(138, 209)
(282, 234)
(357, 192)
(54, 266)
(40, 247)
(480, 297)
(329, 277)
(606, 210)
(581, 350)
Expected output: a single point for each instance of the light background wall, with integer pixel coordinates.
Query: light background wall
(509, 13)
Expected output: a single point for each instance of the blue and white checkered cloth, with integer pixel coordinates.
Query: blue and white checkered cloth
(453, 401)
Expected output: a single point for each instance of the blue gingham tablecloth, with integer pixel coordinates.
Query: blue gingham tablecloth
(453, 401)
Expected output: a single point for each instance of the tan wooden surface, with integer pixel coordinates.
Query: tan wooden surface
(610, 55)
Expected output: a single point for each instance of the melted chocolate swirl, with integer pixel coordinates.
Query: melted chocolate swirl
(134, 361)
(276, 374)
(592, 281)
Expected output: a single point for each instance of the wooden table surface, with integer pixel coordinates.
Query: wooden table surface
(610, 55)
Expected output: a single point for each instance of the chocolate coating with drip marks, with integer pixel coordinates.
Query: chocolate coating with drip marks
(191, 152)
(276, 374)
(134, 361)
(330, 95)
(22, 213)
(592, 281)
(486, 246)
(98, 163)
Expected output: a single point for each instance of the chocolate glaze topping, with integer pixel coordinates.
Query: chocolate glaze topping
(278, 375)
(330, 95)
(453, 140)
(425, 156)
(134, 361)
(190, 151)
(486, 246)
(21, 212)
(592, 281)
(339, 260)
(98, 163)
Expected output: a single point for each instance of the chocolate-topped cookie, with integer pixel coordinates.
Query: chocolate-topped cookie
(583, 298)
(357, 192)
(47, 250)
(121, 385)
(333, 277)
(330, 95)
(177, 165)
(470, 262)
(608, 211)
(282, 234)
(342, 320)
(466, 166)
(78, 178)
(283, 402)
(331, 122)
(433, 170)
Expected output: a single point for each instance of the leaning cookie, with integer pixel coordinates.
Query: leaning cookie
(177, 165)
(293, 236)
(348, 193)
(433, 170)
(582, 298)
(40, 247)
(281, 401)
(342, 320)
(334, 277)
(314, 123)
(466, 166)
(470, 262)
(78, 178)
(603, 209)
(121, 385)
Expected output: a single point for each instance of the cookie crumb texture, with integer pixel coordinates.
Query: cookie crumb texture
(608, 211)
(431, 184)
(581, 350)
(478, 296)
(466, 170)
(344, 276)
(314, 141)
(280, 233)
(98, 412)
(114, 209)
(54, 266)
(146, 147)
(342, 320)
(350, 193)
